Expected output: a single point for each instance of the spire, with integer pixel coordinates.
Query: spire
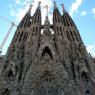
(67, 18)
(37, 15)
(55, 6)
(57, 18)
(68, 21)
(25, 22)
(30, 8)
(46, 26)
(39, 3)
(63, 8)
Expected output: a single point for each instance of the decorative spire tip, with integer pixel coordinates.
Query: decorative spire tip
(55, 6)
(30, 7)
(63, 8)
(39, 3)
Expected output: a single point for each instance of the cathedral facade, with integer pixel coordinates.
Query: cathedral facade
(49, 59)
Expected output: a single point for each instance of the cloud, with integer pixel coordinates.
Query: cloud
(93, 10)
(23, 6)
(91, 49)
(83, 13)
(17, 1)
(75, 6)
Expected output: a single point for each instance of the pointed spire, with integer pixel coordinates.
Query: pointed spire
(56, 14)
(55, 6)
(36, 18)
(25, 22)
(30, 8)
(39, 5)
(63, 8)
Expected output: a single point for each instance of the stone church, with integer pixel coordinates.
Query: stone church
(54, 62)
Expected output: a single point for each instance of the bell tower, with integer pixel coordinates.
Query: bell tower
(59, 30)
(72, 33)
(34, 34)
(18, 42)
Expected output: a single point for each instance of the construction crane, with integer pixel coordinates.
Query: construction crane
(7, 35)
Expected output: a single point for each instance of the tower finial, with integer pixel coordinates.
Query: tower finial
(30, 7)
(63, 8)
(39, 3)
(55, 6)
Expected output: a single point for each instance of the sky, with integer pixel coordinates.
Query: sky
(81, 11)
